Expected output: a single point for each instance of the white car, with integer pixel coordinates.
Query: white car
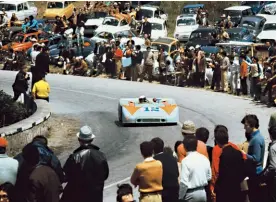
(150, 11)
(268, 10)
(22, 9)
(185, 25)
(93, 21)
(269, 30)
(105, 33)
(114, 22)
(159, 28)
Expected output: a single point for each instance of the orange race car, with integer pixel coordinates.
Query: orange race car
(22, 42)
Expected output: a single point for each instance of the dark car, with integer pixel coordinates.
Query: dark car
(203, 37)
(254, 24)
(92, 21)
(240, 34)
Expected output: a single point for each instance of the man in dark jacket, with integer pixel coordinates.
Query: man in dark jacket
(231, 172)
(86, 171)
(20, 84)
(146, 28)
(137, 57)
(42, 65)
(170, 182)
(43, 184)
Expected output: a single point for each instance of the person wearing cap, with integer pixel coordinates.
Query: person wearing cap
(8, 165)
(148, 65)
(86, 170)
(189, 129)
(195, 173)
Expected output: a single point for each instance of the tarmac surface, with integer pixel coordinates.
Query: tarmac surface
(94, 101)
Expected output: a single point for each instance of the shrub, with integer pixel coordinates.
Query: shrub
(10, 111)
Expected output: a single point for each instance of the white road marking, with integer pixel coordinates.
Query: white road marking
(116, 183)
(86, 93)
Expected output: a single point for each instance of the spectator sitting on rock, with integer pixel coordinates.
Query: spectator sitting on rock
(124, 193)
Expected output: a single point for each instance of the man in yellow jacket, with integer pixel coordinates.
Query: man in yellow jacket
(41, 90)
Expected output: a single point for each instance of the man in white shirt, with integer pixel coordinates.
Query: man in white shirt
(234, 69)
(80, 34)
(195, 173)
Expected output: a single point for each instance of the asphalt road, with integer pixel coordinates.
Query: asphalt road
(94, 101)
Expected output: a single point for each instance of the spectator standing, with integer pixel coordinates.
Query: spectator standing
(188, 129)
(256, 151)
(214, 64)
(80, 34)
(272, 120)
(118, 54)
(41, 90)
(43, 183)
(271, 49)
(20, 85)
(148, 65)
(146, 28)
(231, 172)
(269, 173)
(148, 175)
(13, 19)
(86, 170)
(137, 57)
(42, 63)
(8, 166)
(109, 63)
(224, 69)
(170, 171)
(243, 74)
(271, 81)
(201, 60)
(234, 69)
(195, 173)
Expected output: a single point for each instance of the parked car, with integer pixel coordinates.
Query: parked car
(58, 8)
(22, 42)
(254, 24)
(115, 21)
(9, 34)
(158, 28)
(238, 12)
(185, 24)
(240, 34)
(150, 11)
(256, 6)
(269, 30)
(170, 45)
(105, 33)
(203, 36)
(93, 21)
(268, 9)
(22, 9)
(192, 8)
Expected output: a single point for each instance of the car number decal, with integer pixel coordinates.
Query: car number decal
(151, 109)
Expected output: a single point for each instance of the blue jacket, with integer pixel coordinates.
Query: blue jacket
(256, 150)
(34, 24)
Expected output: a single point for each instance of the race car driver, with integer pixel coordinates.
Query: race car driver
(142, 99)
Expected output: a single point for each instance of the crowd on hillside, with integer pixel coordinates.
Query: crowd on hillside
(191, 172)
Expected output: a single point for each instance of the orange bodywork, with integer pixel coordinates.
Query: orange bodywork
(25, 45)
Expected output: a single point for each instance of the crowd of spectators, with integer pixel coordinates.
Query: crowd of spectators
(191, 172)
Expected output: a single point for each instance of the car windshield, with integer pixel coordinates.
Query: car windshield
(186, 21)
(248, 24)
(146, 13)
(8, 7)
(270, 26)
(95, 15)
(18, 38)
(201, 35)
(233, 13)
(156, 26)
(269, 9)
(159, 46)
(189, 10)
(111, 21)
(54, 5)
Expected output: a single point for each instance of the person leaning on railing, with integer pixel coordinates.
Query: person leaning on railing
(41, 90)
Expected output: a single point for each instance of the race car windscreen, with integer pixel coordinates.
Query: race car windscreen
(186, 21)
(270, 27)
(146, 13)
(156, 26)
(54, 5)
(111, 22)
(8, 7)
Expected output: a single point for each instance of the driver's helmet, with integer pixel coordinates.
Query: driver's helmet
(142, 99)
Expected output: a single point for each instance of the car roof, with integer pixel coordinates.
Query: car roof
(156, 20)
(187, 16)
(194, 6)
(165, 40)
(253, 18)
(237, 8)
